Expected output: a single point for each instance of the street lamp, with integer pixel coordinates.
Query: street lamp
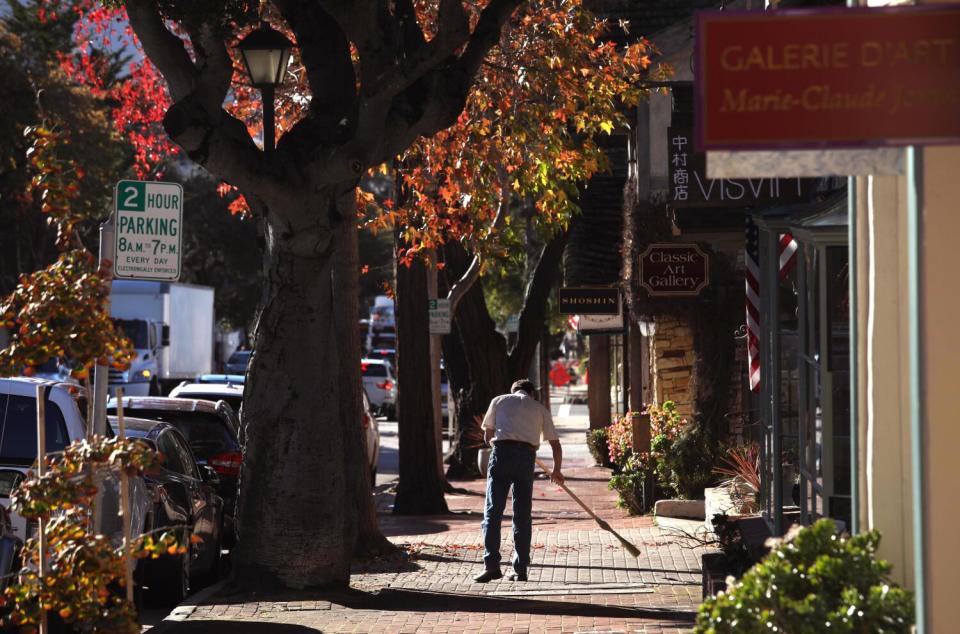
(648, 327)
(265, 53)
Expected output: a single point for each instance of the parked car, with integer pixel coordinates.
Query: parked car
(388, 354)
(186, 502)
(231, 393)
(382, 339)
(237, 363)
(18, 427)
(444, 393)
(18, 454)
(381, 315)
(380, 385)
(211, 430)
(10, 544)
(371, 430)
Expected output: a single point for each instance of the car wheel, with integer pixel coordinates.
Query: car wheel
(212, 575)
(170, 581)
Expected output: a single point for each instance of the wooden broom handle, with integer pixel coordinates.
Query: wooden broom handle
(569, 492)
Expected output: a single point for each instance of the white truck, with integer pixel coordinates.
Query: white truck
(171, 326)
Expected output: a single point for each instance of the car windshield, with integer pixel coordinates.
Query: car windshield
(18, 436)
(136, 331)
(233, 401)
(238, 357)
(373, 369)
(206, 433)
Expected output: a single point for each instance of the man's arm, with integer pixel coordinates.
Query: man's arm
(489, 422)
(556, 476)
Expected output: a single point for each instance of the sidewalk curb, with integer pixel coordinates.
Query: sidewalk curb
(183, 611)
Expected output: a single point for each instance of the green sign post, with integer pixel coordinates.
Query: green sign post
(148, 237)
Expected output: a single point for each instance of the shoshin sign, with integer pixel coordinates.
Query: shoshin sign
(674, 270)
(690, 187)
(589, 301)
(828, 77)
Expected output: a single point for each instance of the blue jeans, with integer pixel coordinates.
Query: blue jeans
(510, 465)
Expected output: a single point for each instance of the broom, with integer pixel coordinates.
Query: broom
(630, 548)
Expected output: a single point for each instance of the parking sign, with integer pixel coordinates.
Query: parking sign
(439, 310)
(149, 229)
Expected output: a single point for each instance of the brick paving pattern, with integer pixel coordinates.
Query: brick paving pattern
(580, 580)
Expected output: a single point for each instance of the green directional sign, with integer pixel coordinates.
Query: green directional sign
(149, 223)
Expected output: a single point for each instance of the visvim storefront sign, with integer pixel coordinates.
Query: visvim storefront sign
(828, 77)
(690, 187)
(673, 270)
(588, 301)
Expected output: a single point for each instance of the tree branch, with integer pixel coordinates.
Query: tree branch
(196, 121)
(472, 274)
(535, 300)
(164, 49)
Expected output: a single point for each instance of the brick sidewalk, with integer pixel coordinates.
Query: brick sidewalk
(581, 580)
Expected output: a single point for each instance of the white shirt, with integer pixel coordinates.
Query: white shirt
(520, 417)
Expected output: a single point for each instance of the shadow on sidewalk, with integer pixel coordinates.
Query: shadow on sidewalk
(402, 600)
(240, 627)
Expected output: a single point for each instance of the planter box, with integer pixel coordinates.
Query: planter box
(716, 569)
(687, 509)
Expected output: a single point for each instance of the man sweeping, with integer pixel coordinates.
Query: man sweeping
(514, 423)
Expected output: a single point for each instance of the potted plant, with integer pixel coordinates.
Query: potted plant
(741, 466)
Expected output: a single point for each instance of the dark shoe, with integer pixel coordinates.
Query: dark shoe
(489, 575)
(517, 576)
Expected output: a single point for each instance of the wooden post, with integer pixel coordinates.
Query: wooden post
(435, 349)
(41, 469)
(641, 432)
(636, 358)
(124, 503)
(598, 387)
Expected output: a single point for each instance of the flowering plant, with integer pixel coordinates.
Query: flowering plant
(665, 425)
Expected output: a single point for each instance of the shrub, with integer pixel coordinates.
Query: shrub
(817, 582)
(689, 463)
(597, 443)
(83, 568)
(629, 485)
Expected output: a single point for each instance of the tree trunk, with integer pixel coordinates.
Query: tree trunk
(365, 532)
(420, 490)
(485, 357)
(293, 528)
(491, 369)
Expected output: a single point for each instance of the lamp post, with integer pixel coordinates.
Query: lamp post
(265, 53)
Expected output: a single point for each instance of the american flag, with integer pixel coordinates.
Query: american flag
(787, 258)
(752, 257)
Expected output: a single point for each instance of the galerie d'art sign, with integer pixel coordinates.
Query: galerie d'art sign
(674, 270)
(830, 77)
(690, 187)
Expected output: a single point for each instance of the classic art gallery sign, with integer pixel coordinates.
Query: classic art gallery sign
(828, 77)
(674, 270)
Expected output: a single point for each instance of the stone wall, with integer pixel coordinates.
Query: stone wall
(671, 368)
(671, 363)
